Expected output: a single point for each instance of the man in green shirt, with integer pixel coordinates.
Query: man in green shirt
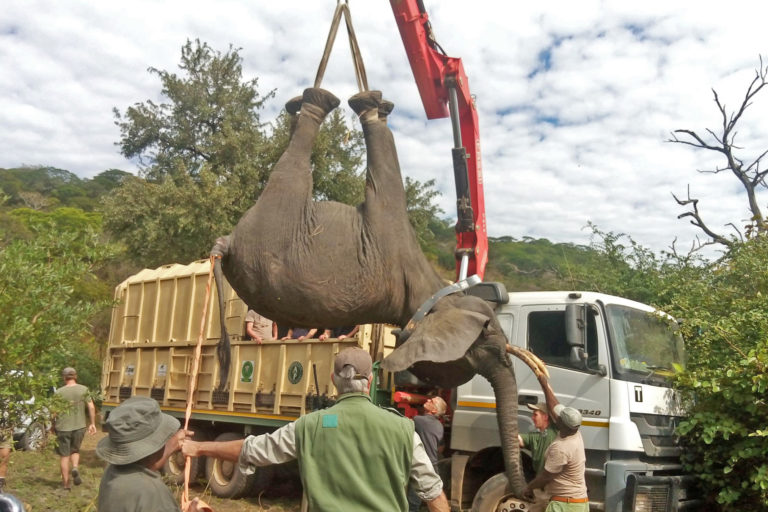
(538, 442)
(353, 456)
(71, 425)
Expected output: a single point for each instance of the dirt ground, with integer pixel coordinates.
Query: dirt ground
(34, 478)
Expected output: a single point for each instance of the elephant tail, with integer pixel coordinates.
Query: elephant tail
(223, 348)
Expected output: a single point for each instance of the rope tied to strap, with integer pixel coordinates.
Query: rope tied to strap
(357, 58)
(192, 384)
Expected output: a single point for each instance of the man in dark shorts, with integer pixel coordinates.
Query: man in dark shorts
(71, 426)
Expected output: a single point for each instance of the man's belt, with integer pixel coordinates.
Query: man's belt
(569, 500)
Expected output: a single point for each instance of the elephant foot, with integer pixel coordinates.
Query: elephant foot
(317, 103)
(369, 106)
(385, 109)
(293, 106)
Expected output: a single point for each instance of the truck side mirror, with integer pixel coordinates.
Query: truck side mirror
(579, 359)
(576, 324)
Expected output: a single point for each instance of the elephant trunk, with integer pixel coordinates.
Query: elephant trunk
(502, 379)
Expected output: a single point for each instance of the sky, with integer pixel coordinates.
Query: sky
(576, 99)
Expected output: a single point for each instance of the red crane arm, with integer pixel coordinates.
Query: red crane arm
(439, 78)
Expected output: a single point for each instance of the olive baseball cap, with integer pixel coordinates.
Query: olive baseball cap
(68, 372)
(357, 358)
(568, 416)
(539, 407)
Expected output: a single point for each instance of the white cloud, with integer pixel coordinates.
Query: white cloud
(583, 139)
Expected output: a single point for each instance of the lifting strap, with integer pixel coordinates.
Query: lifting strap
(362, 79)
(193, 381)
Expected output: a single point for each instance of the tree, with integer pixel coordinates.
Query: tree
(211, 121)
(46, 305)
(170, 221)
(725, 325)
(748, 172)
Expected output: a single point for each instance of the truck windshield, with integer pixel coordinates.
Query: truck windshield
(645, 346)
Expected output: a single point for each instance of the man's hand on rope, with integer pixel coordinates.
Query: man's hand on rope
(174, 443)
(196, 505)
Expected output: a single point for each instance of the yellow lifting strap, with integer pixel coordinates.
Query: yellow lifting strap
(362, 79)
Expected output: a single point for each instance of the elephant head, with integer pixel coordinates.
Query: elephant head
(459, 338)
(307, 263)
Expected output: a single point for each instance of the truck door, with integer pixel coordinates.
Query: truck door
(541, 330)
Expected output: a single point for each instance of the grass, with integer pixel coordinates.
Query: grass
(34, 478)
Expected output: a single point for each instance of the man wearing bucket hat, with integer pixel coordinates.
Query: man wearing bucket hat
(352, 456)
(141, 438)
(562, 476)
(71, 425)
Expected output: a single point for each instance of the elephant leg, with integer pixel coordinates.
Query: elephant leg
(384, 192)
(502, 380)
(291, 178)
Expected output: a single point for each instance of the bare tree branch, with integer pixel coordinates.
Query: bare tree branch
(697, 221)
(724, 142)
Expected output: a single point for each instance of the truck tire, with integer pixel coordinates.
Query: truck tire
(173, 468)
(227, 481)
(34, 438)
(260, 480)
(492, 497)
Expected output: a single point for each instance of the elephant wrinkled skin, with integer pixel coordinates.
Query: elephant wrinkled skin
(307, 263)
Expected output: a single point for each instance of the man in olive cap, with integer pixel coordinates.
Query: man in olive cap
(141, 438)
(562, 476)
(71, 425)
(353, 456)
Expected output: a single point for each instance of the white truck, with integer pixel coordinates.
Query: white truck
(609, 357)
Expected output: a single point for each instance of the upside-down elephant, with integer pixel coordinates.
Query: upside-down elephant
(347, 265)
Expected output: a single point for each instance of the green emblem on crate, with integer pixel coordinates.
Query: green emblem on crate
(246, 371)
(295, 372)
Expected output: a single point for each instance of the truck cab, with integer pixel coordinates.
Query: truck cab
(610, 358)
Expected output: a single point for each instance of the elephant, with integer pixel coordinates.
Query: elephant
(348, 265)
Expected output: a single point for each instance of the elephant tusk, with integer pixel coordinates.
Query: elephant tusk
(534, 363)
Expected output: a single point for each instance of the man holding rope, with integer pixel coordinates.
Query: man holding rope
(141, 438)
(352, 456)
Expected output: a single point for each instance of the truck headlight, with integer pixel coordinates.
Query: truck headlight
(646, 494)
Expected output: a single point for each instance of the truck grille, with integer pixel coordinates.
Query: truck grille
(657, 433)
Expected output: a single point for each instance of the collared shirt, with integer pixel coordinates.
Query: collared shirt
(280, 446)
(538, 442)
(134, 488)
(262, 326)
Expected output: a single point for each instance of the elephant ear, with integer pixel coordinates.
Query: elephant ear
(442, 336)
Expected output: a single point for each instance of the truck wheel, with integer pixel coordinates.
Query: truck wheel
(224, 477)
(492, 497)
(173, 468)
(34, 438)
